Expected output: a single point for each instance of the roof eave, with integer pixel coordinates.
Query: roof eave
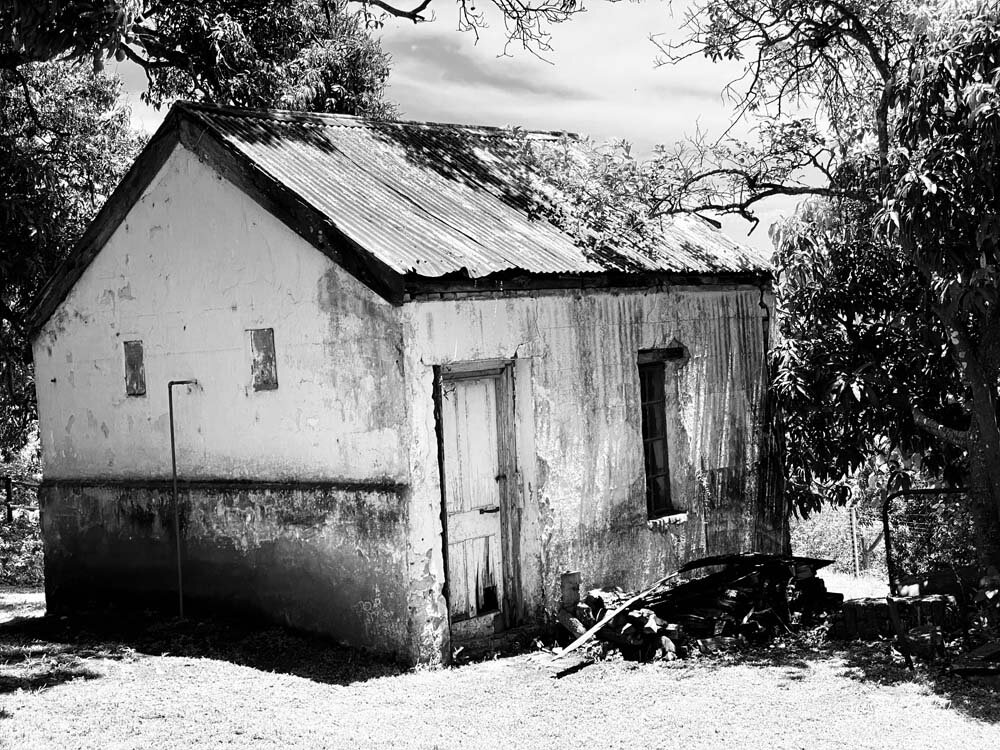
(521, 281)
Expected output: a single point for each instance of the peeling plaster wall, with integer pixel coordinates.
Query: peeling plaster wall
(578, 427)
(193, 266)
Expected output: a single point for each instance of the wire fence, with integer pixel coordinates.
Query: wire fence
(929, 530)
(851, 537)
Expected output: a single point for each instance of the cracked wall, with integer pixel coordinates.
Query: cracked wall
(193, 267)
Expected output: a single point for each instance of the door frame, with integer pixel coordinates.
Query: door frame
(510, 507)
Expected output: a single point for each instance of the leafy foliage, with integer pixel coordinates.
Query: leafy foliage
(302, 55)
(931, 532)
(299, 54)
(185, 35)
(20, 540)
(21, 551)
(859, 349)
(64, 144)
(600, 194)
(39, 31)
(888, 284)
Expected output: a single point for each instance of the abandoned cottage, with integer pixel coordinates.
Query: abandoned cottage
(417, 404)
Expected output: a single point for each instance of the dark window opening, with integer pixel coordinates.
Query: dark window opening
(263, 367)
(135, 370)
(653, 368)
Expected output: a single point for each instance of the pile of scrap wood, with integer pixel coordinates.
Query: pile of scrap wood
(749, 598)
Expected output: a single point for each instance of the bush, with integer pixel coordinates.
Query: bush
(21, 550)
(827, 534)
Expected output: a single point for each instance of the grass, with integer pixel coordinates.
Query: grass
(125, 683)
(20, 601)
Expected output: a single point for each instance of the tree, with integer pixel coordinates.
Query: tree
(945, 214)
(888, 284)
(65, 142)
(38, 30)
(298, 54)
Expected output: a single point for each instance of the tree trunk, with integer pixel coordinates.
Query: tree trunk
(984, 470)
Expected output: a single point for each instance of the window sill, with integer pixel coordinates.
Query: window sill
(664, 521)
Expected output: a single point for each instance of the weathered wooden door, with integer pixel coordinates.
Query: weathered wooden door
(476, 415)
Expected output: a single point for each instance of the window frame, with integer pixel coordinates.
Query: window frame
(263, 359)
(652, 366)
(135, 368)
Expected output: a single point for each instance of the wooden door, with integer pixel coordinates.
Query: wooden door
(475, 431)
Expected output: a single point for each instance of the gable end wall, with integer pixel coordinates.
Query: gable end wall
(293, 501)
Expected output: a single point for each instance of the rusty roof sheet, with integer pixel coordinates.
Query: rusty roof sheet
(434, 199)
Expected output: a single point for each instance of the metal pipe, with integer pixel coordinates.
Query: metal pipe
(853, 513)
(887, 532)
(173, 466)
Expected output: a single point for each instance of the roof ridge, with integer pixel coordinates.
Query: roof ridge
(329, 118)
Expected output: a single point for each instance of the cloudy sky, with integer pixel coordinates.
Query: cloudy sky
(600, 79)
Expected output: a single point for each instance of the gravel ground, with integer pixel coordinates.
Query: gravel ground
(64, 684)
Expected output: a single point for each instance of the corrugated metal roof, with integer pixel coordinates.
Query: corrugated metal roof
(434, 199)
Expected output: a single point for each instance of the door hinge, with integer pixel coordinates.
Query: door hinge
(490, 509)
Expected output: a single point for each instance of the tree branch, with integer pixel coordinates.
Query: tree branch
(958, 438)
(416, 14)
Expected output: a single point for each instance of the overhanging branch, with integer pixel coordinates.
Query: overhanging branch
(958, 438)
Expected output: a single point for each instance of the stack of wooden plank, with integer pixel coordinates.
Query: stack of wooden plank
(739, 599)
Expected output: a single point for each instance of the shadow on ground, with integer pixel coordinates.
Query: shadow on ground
(41, 652)
(871, 662)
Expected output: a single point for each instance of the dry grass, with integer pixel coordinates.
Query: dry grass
(63, 688)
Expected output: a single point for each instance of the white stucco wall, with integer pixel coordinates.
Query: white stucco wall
(193, 266)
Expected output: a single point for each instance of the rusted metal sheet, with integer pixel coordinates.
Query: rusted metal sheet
(435, 199)
(135, 370)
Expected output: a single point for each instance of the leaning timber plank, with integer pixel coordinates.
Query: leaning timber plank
(610, 616)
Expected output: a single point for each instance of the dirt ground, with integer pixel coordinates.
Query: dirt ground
(168, 684)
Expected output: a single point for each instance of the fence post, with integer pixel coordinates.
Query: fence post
(8, 488)
(854, 541)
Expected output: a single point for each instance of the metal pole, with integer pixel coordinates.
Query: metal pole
(173, 466)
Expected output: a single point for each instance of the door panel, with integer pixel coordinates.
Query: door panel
(473, 494)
